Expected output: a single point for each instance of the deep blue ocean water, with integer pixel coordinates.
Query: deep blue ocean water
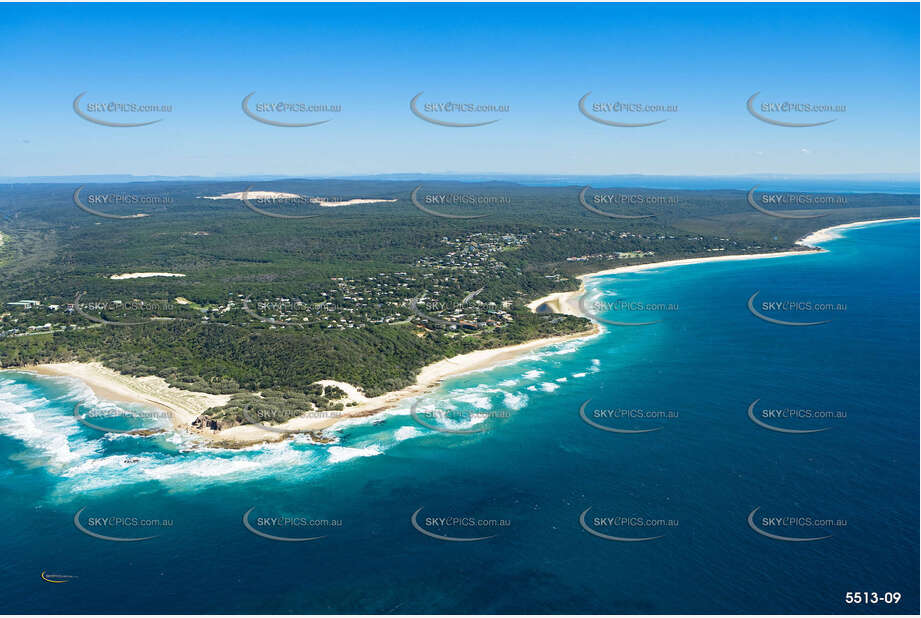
(534, 469)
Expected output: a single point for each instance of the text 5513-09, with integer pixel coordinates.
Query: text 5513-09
(872, 598)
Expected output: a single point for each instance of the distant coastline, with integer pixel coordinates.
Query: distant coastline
(568, 302)
(830, 233)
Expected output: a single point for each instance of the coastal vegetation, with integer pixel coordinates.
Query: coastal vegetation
(364, 294)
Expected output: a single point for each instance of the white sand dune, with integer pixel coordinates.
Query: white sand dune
(251, 195)
(276, 195)
(325, 204)
(144, 275)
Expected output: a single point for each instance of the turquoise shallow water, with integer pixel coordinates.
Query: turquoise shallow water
(524, 481)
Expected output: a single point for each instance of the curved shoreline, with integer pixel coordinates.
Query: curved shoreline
(558, 301)
(185, 406)
(831, 233)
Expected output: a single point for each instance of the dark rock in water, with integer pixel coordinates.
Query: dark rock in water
(204, 422)
(319, 438)
(146, 432)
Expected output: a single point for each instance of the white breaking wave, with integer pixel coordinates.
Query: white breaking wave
(406, 432)
(45, 432)
(514, 401)
(549, 387)
(344, 453)
(478, 401)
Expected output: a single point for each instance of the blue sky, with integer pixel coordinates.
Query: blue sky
(537, 59)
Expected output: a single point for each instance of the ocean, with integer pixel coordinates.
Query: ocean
(711, 461)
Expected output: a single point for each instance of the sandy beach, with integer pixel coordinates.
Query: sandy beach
(830, 233)
(568, 302)
(185, 406)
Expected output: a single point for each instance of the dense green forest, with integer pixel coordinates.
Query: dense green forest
(248, 314)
